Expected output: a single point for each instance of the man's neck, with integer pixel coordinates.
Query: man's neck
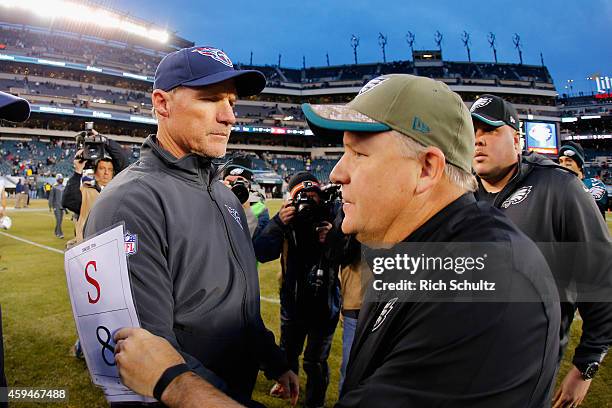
(422, 211)
(498, 184)
(168, 144)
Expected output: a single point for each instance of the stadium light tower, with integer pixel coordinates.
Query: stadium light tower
(327, 58)
(303, 62)
(279, 59)
(466, 43)
(541, 58)
(570, 86)
(251, 59)
(491, 38)
(382, 41)
(516, 39)
(355, 44)
(96, 15)
(438, 39)
(410, 40)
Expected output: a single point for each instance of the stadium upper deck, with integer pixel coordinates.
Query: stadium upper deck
(73, 70)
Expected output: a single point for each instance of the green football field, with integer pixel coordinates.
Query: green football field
(39, 328)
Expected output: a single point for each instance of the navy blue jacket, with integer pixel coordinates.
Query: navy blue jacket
(194, 275)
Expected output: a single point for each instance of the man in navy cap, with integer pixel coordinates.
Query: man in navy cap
(193, 270)
(16, 110)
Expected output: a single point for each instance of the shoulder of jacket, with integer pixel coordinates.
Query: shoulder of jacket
(552, 174)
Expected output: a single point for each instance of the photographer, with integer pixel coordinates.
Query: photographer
(240, 180)
(106, 158)
(309, 293)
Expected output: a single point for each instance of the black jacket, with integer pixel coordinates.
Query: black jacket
(194, 275)
(72, 198)
(465, 354)
(300, 252)
(549, 204)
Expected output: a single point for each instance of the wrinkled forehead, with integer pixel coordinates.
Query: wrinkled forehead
(104, 164)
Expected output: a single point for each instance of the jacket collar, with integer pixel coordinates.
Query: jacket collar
(192, 166)
(438, 224)
(526, 164)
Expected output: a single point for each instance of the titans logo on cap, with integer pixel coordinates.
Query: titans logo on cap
(215, 54)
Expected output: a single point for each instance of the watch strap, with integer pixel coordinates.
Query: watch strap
(166, 378)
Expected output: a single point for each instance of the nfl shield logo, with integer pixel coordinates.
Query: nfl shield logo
(131, 243)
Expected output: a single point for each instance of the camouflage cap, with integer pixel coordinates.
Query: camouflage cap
(421, 108)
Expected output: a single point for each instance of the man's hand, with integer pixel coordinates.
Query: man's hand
(142, 358)
(572, 391)
(290, 386)
(287, 212)
(79, 164)
(323, 230)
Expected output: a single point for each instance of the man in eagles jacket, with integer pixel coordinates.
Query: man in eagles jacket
(416, 135)
(571, 156)
(549, 204)
(193, 273)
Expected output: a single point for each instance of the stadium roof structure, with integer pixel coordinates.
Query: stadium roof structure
(88, 19)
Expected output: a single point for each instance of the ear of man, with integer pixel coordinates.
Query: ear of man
(432, 164)
(517, 142)
(160, 100)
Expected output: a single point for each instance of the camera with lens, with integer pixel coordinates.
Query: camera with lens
(242, 189)
(92, 144)
(308, 209)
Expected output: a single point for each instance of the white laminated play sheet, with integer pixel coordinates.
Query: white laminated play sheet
(102, 303)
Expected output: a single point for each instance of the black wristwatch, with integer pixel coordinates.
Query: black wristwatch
(588, 370)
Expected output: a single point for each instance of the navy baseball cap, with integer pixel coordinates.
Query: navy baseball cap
(13, 108)
(202, 66)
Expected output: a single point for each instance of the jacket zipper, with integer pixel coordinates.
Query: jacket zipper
(233, 250)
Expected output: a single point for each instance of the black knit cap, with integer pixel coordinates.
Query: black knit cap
(301, 177)
(574, 151)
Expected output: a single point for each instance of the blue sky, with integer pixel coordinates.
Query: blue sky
(574, 36)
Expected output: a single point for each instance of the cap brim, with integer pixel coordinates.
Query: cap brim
(248, 82)
(334, 120)
(488, 120)
(13, 109)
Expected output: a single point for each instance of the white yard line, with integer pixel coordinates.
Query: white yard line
(32, 243)
(265, 299)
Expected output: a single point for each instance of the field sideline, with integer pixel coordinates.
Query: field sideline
(39, 328)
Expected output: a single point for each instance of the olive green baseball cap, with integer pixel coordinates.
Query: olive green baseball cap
(421, 108)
